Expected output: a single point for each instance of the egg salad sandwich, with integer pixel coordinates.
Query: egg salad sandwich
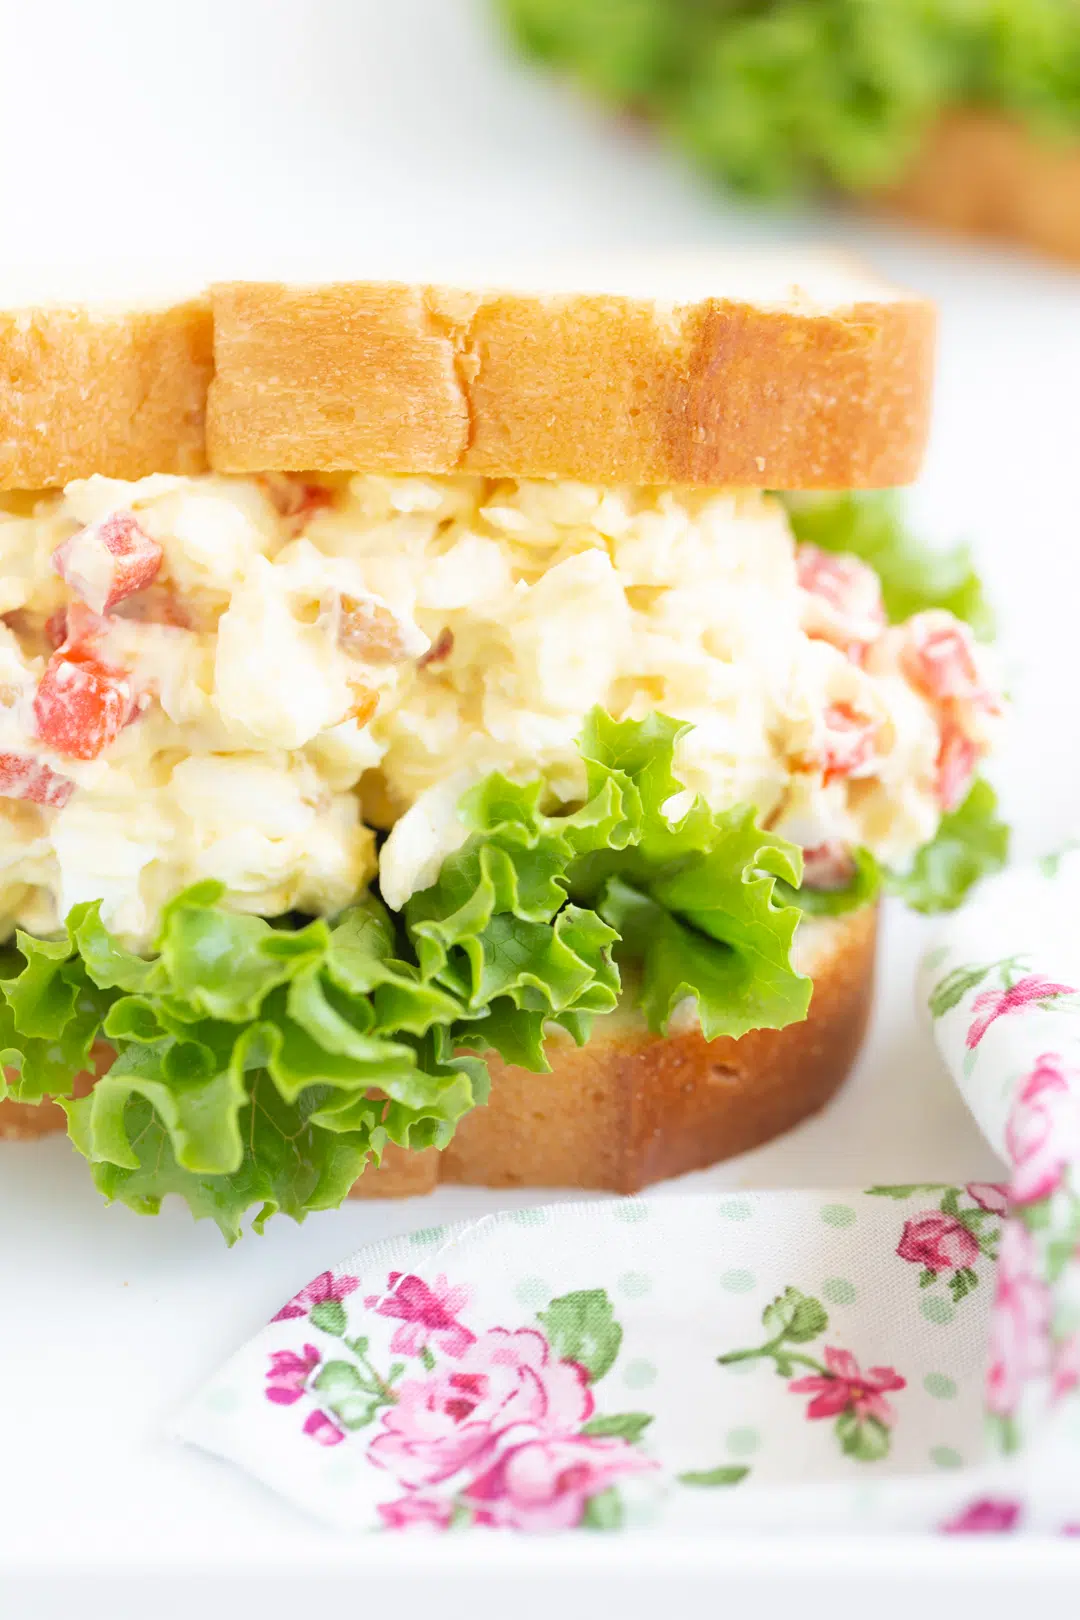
(427, 749)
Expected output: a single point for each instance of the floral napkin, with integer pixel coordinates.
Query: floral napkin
(895, 1358)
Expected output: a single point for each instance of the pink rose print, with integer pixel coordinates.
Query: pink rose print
(417, 1512)
(994, 1004)
(451, 1420)
(324, 1288)
(938, 1241)
(545, 1483)
(988, 1516)
(1042, 1135)
(289, 1373)
(839, 1387)
(1019, 1323)
(949, 1241)
(323, 1429)
(428, 1315)
(989, 1195)
(489, 1434)
(844, 1388)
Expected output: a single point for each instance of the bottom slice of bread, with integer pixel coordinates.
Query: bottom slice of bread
(631, 1108)
(981, 173)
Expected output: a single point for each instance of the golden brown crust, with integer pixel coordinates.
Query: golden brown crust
(22, 1122)
(607, 389)
(85, 392)
(981, 173)
(633, 1108)
(789, 392)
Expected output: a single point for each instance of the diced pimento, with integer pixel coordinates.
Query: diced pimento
(845, 606)
(957, 760)
(367, 629)
(23, 777)
(81, 705)
(440, 649)
(56, 628)
(939, 659)
(108, 560)
(79, 629)
(296, 498)
(829, 866)
(849, 742)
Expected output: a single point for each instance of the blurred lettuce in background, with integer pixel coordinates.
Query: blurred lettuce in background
(789, 96)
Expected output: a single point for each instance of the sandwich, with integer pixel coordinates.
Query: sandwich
(462, 734)
(965, 116)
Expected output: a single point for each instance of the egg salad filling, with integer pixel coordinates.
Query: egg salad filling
(466, 744)
(241, 678)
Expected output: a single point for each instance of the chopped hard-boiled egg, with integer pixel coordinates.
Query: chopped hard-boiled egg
(237, 678)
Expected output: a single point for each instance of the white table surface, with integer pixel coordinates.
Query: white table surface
(347, 136)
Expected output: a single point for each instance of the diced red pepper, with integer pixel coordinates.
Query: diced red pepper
(81, 705)
(849, 611)
(849, 742)
(957, 759)
(108, 560)
(828, 866)
(56, 627)
(938, 658)
(22, 777)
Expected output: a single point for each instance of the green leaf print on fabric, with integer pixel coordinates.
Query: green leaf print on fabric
(724, 1475)
(581, 1327)
(840, 1388)
(625, 1425)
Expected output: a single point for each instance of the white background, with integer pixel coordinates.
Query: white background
(152, 139)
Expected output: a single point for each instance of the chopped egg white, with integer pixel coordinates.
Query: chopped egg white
(266, 742)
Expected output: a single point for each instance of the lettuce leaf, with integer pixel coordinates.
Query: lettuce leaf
(971, 843)
(247, 1056)
(259, 1066)
(913, 575)
(691, 898)
(776, 97)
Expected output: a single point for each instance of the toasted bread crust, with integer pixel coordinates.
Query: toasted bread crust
(633, 1108)
(367, 376)
(83, 392)
(605, 389)
(23, 1122)
(982, 173)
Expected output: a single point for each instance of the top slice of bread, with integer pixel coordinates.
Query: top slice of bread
(753, 373)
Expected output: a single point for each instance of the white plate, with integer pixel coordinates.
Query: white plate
(345, 131)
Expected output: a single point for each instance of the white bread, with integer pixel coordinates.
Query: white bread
(631, 1108)
(799, 374)
(99, 390)
(981, 173)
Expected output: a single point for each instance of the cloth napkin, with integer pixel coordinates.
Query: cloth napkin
(902, 1357)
